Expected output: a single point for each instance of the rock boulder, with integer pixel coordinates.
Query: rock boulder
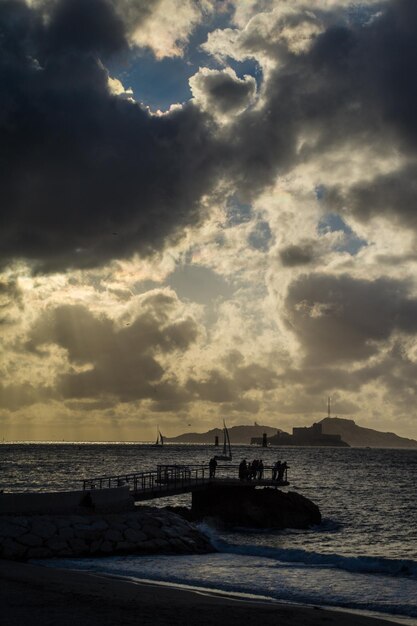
(255, 508)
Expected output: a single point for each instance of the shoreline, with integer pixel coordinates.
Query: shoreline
(263, 600)
(32, 594)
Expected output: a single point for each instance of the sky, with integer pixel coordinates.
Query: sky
(208, 211)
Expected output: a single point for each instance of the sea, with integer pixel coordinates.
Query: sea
(362, 557)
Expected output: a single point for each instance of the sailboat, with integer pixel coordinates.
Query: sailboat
(159, 438)
(227, 451)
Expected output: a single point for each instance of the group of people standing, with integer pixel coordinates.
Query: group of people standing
(251, 471)
(278, 471)
(255, 470)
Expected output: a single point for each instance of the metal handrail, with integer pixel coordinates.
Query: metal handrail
(164, 475)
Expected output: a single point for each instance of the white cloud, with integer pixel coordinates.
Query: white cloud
(167, 28)
(117, 88)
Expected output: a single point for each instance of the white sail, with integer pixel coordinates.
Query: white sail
(227, 450)
(159, 438)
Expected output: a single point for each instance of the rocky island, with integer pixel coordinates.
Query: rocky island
(252, 508)
(330, 431)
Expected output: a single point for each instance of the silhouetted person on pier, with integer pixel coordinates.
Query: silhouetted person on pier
(260, 469)
(249, 471)
(243, 470)
(254, 469)
(282, 470)
(212, 467)
(276, 469)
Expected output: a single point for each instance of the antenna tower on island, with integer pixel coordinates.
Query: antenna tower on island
(328, 406)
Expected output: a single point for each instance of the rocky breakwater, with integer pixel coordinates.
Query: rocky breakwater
(255, 508)
(145, 531)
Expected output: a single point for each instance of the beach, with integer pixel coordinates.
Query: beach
(32, 594)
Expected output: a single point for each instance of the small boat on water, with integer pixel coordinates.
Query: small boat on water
(159, 438)
(227, 450)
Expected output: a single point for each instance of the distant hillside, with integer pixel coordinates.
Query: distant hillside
(355, 435)
(237, 434)
(349, 431)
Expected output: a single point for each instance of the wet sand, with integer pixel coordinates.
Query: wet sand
(32, 595)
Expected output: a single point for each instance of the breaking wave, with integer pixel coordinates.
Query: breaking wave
(361, 564)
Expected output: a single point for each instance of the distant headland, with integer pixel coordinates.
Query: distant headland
(330, 431)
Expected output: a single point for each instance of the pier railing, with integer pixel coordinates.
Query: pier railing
(154, 480)
(171, 477)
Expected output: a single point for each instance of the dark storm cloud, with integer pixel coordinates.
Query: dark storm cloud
(354, 87)
(169, 396)
(295, 255)
(376, 62)
(222, 91)
(84, 26)
(342, 322)
(391, 195)
(86, 176)
(342, 319)
(118, 362)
